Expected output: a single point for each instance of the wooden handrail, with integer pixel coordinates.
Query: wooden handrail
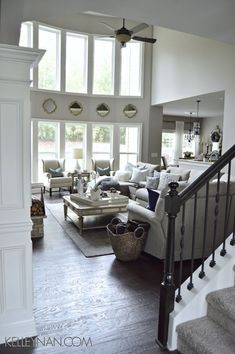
(205, 177)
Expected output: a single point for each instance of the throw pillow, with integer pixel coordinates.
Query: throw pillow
(166, 178)
(122, 176)
(139, 175)
(58, 172)
(152, 182)
(152, 199)
(129, 167)
(103, 171)
(184, 174)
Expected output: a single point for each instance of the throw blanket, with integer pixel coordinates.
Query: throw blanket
(106, 182)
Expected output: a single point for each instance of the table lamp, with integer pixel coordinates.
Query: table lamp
(77, 155)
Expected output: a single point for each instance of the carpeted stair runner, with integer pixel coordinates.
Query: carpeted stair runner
(215, 333)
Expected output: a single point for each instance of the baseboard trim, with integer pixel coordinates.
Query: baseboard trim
(20, 329)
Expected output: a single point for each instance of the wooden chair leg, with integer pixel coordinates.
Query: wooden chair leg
(70, 190)
(50, 191)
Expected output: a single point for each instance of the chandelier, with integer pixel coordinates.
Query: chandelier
(190, 135)
(194, 128)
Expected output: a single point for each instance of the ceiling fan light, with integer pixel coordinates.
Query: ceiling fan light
(123, 38)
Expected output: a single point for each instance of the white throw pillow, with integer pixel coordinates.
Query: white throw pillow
(129, 167)
(122, 176)
(139, 175)
(166, 178)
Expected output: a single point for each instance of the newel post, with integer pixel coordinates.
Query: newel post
(167, 289)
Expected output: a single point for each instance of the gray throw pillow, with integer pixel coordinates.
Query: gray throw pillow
(58, 172)
(152, 182)
(103, 171)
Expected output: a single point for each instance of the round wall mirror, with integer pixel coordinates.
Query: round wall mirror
(49, 105)
(130, 110)
(102, 109)
(75, 108)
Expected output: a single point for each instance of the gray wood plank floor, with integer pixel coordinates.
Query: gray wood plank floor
(115, 304)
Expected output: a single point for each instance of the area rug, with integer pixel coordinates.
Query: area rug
(92, 243)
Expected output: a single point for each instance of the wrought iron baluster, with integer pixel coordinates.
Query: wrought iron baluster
(223, 251)
(202, 272)
(213, 262)
(179, 297)
(232, 241)
(190, 284)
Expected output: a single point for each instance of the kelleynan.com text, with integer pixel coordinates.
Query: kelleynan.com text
(17, 342)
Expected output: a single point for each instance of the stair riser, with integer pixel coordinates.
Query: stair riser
(222, 319)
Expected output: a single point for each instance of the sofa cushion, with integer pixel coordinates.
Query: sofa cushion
(58, 172)
(152, 182)
(139, 175)
(152, 199)
(166, 178)
(184, 174)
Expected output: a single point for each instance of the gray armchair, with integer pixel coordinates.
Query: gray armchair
(98, 165)
(55, 176)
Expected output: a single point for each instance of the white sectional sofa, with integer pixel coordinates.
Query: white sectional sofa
(158, 219)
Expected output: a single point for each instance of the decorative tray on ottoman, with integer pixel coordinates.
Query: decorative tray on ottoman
(113, 199)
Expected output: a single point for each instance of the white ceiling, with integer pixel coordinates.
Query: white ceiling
(208, 18)
(211, 106)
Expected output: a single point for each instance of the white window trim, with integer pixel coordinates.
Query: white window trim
(87, 141)
(90, 54)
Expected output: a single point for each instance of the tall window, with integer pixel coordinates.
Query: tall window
(102, 141)
(103, 76)
(76, 62)
(129, 143)
(26, 35)
(48, 142)
(131, 68)
(74, 138)
(49, 66)
(168, 145)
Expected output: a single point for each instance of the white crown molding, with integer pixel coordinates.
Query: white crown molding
(20, 54)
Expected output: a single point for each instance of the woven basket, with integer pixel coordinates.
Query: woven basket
(127, 246)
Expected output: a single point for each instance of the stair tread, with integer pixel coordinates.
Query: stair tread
(205, 336)
(223, 300)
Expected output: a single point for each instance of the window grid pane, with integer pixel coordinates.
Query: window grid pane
(102, 141)
(128, 145)
(76, 62)
(103, 76)
(26, 35)
(49, 66)
(168, 146)
(131, 65)
(74, 138)
(48, 143)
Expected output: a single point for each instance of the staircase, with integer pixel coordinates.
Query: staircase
(214, 333)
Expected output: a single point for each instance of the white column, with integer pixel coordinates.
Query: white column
(16, 316)
(179, 129)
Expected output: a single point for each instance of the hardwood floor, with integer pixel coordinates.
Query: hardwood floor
(115, 304)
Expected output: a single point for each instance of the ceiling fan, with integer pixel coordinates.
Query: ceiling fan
(124, 35)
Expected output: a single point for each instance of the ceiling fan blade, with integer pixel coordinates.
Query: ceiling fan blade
(144, 39)
(139, 27)
(108, 26)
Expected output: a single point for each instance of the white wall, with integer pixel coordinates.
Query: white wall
(208, 125)
(186, 66)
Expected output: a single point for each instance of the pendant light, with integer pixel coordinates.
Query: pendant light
(196, 125)
(190, 135)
